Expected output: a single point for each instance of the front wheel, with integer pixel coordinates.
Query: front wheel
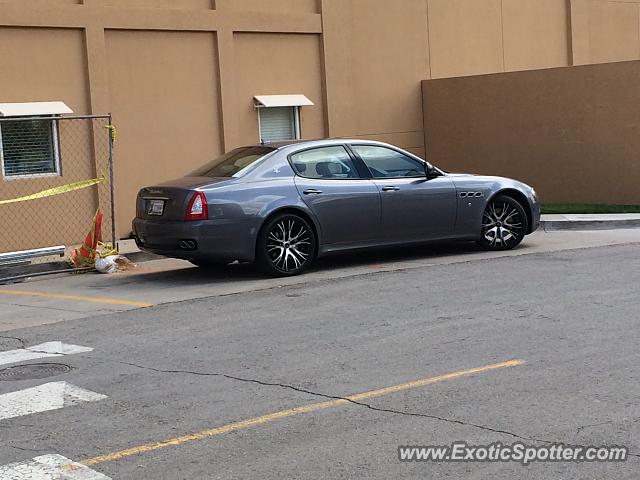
(286, 245)
(504, 224)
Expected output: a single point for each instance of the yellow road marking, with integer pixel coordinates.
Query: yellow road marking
(242, 424)
(76, 297)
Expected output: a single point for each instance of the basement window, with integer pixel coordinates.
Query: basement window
(29, 145)
(279, 116)
(29, 148)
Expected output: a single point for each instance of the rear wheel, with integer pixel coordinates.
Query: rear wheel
(504, 224)
(286, 245)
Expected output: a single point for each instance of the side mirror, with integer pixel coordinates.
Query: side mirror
(430, 171)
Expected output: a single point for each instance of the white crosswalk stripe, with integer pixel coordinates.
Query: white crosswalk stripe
(43, 398)
(44, 350)
(49, 467)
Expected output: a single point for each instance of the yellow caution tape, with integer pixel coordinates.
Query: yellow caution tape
(70, 187)
(106, 250)
(112, 132)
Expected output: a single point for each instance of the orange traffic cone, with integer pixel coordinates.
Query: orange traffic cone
(85, 255)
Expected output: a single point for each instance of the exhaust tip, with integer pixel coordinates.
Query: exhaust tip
(188, 244)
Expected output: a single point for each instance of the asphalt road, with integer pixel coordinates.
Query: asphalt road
(221, 379)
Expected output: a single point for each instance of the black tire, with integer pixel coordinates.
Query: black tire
(277, 254)
(504, 224)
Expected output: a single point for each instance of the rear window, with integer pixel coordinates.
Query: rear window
(232, 163)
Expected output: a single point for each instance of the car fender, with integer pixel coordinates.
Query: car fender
(283, 204)
(474, 192)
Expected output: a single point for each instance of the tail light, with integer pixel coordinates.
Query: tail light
(197, 208)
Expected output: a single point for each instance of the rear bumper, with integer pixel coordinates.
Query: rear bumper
(220, 240)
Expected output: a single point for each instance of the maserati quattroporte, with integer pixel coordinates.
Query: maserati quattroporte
(283, 205)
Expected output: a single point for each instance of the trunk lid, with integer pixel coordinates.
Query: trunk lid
(168, 201)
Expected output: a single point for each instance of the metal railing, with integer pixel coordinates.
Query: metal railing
(55, 173)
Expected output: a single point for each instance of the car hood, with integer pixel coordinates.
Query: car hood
(475, 179)
(475, 176)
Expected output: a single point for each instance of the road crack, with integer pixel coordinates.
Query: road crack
(254, 381)
(354, 402)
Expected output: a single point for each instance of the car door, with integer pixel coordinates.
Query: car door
(414, 207)
(346, 204)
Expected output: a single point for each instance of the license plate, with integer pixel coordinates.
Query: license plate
(155, 207)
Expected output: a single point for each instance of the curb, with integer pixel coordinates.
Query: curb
(576, 224)
(555, 225)
(20, 273)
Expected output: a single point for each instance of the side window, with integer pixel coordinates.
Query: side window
(325, 162)
(386, 163)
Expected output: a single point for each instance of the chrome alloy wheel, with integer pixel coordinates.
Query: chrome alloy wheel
(289, 244)
(503, 225)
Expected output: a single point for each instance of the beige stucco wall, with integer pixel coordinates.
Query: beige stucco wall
(175, 4)
(163, 91)
(281, 6)
(535, 34)
(605, 30)
(40, 65)
(496, 35)
(278, 64)
(179, 75)
(37, 3)
(474, 46)
(372, 69)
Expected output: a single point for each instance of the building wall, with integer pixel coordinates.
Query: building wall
(40, 65)
(274, 64)
(163, 92)
(573, 133)
(179, 75)
(496, 36)
(605, 30)
(279, 6)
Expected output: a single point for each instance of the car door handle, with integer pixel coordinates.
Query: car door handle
(390, 189)
(312, 191)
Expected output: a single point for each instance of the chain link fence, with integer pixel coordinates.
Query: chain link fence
(55, 173)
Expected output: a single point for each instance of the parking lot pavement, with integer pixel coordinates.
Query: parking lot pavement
(325, 379)
(49, 300)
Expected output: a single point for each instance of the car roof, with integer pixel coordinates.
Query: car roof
(316, 142)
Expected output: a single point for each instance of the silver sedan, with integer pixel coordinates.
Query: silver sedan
(283, 205)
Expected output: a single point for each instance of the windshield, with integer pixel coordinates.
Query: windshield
(233, 162)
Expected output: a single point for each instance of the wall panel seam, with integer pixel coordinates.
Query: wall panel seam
(504, 64)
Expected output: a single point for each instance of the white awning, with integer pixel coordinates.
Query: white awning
(33, 108)
(282, 101)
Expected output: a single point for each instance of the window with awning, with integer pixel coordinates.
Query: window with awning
(29, 138)
(279, 116)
